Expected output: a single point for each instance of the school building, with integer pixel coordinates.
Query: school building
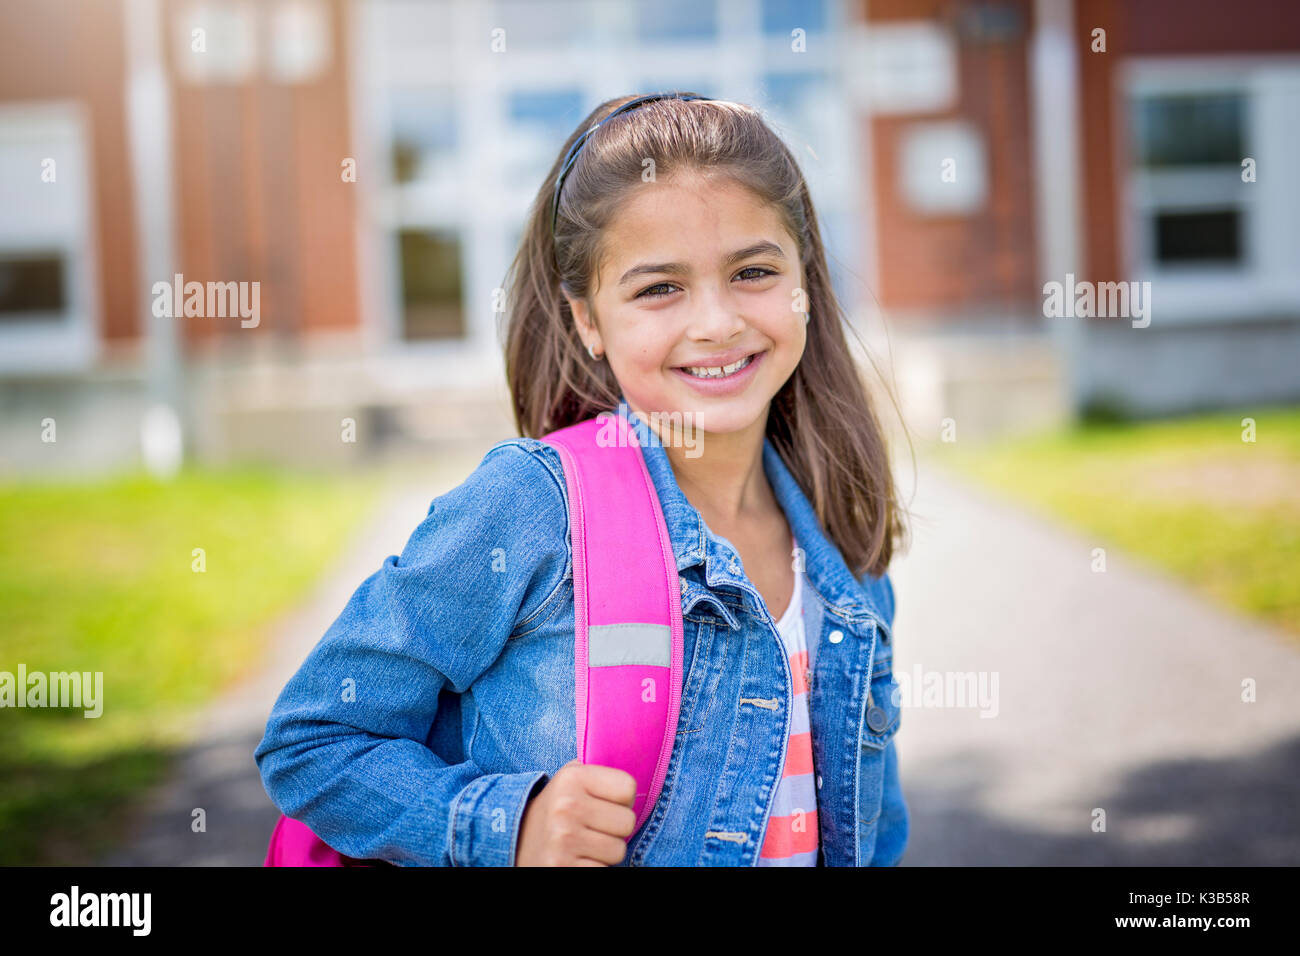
(359, 170)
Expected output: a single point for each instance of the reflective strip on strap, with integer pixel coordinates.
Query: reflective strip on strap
(610, 645)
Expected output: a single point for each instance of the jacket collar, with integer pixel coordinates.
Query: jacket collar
(693, 543)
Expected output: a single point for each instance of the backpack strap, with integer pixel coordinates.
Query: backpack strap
(627, 606)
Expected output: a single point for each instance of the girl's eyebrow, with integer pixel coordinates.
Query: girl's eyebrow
(763, 248)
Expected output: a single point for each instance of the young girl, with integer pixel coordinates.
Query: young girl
(672, 269)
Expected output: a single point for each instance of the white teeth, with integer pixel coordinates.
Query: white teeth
(719, 371)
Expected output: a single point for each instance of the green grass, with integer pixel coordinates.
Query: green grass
(1188, 495)
(99, 577)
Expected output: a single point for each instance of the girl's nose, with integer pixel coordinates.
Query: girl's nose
(716, 319)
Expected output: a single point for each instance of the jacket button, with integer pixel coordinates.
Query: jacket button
(819, 781)
(836, 636)
(876, 719)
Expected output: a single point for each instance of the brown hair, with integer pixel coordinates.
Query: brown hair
(821, 422)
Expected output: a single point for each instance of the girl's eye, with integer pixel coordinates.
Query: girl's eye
(651, 294)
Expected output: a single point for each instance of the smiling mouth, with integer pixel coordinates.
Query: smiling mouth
(722, 371)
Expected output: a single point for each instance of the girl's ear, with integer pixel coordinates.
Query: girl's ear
(584, 320)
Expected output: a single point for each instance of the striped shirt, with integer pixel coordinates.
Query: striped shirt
(791, 838)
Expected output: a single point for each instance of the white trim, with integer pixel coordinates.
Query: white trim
(852, 40)
(69, 343)
(355, 41)
(149, 146)
(1196, 73)
(1054, 128)
(1266, 284)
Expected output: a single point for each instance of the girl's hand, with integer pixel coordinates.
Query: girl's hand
(582, 817)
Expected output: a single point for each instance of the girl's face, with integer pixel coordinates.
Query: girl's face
(697, 273)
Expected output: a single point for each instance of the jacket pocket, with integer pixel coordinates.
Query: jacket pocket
(702, 673)
(883, 710)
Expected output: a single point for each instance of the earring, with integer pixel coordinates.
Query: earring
(591, 350)
(805, 318)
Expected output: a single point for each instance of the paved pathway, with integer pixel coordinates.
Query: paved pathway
(1118, 690)
(218, 773)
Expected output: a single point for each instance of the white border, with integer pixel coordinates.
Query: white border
(70, 344)
(1263, 288)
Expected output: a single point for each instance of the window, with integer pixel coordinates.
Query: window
(300, 41)
(805, 110)
(780, 17)
(1189, 129)
(424, 134)
(32, 287)
(676, 20)
(47, 306)
(549, 114)
(431, 286)
(538, 121)
(1198, 236)
(216, 42)
(546, 27)
(943, 170)
(789, 93)
(1188, 148)
(1212, 203)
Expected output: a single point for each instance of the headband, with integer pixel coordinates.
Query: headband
(572, 155)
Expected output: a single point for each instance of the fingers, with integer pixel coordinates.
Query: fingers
(614, 819)
(582, 817)
(592, 845)
(609, 783)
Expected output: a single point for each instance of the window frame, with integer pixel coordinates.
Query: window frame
(69, 343)
(1210, 292)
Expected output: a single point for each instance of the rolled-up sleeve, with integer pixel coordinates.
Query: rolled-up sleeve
(486, 815)
(345, 744)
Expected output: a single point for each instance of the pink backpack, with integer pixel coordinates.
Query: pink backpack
(627, 640)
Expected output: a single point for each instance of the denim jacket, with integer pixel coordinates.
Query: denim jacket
(442, 697)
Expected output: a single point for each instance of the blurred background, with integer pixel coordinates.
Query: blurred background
(1105, 507)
